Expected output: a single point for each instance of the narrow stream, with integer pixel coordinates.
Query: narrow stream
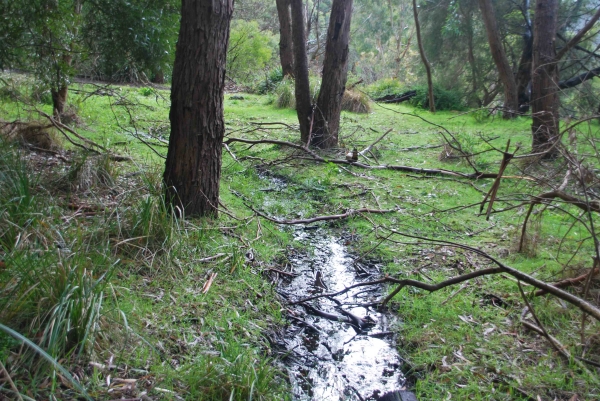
(353, 358)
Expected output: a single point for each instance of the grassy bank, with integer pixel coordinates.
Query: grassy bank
(134, 302)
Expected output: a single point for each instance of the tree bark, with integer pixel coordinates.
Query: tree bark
(193, 165)
(59, 100)
(544, 102)
(286, 55)
(302, 86)
(524, 70)
(335, 73)
(424, 58)
(511, 103)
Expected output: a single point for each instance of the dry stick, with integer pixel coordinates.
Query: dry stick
(570, 281)
(585, 292)
(506, 157)
(407, 282)
(564, 295)
(60, 126)
(12, 384)
(555, 344)
(321, 218)
(208, 259)
(316, 157)
(368, 148)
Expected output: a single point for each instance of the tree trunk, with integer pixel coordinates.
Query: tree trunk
(335, 72)
(424, 58)
(511, 103)
(59, 100)
(286, 54)
(302, 86)
(544, 102)
(193, 165)
(524, 70)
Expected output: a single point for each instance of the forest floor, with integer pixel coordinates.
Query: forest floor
(137, 304)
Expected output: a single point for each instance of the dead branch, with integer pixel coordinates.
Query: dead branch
(62, 128)
(316, 157)
(407, 282)
(570, 281)
(519, 275)
(506, 158)
(321, 218)
(368, 148)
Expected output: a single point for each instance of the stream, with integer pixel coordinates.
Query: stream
(353, 358)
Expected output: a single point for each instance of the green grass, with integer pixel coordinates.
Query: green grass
(129, 290)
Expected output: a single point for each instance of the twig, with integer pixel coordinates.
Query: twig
(321, 218)
(570, 281)
(368, 148)
(12, 384)
(208, 259)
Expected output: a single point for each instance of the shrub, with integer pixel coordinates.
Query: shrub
(444, 99)
(269, 84)
(384, 87)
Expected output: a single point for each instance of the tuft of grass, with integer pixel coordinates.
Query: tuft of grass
(356, 102)
(285, 94)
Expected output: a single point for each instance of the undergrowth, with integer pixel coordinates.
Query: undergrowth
(136, 302)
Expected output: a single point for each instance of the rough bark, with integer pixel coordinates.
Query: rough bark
(59, 100)
(524, 70)
(193, 165)
(286, 55)
(335, 72)
(544, 102)
(424, 58)
(498, 54)
(302, 86)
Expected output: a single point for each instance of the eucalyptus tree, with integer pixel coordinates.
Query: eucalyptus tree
(498, 54)
(319, 123)
(286, 52)
(45, 37)
(193, 165)
(545, 80)
(335, 72)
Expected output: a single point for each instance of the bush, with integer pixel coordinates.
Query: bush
(269, 84)
(384, 87)
(444, 99)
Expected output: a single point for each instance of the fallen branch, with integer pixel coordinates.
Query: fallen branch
(368, 148)
(519, 275)
(321, 218)
(317, 158)
(569, 282)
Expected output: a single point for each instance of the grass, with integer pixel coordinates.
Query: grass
(96, 270)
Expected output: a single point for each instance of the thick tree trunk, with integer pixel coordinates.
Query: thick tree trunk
(424, 58)
(302, 86)
(544, 90)
(286, 55)
(193, 165)
(511, 103)
(524, 70)
(335, 72)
